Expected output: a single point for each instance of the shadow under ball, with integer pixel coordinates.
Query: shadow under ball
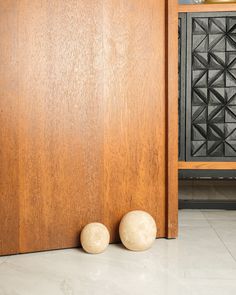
(137, 230)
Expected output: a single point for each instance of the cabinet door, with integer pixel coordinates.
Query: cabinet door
(211, 87)
(83, 118)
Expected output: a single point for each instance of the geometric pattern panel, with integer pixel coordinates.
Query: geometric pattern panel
(213, 86)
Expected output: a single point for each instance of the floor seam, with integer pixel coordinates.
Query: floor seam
(220, 238)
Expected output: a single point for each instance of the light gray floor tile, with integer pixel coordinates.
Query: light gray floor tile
(223, 223)
(212, 286)
(197, 263)
(192, 218)
(232, 248)
(191, 214)
(193, 222)
(219, 214)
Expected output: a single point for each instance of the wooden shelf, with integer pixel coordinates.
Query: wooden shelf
(207, 165)
(206, 7)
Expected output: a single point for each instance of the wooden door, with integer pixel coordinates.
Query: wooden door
(83, 112)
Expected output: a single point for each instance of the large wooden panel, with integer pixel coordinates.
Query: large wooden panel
(61, 129)
(84, 135)
(9, 206)
(134, 155)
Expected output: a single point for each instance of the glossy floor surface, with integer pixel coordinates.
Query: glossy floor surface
(201, 261)
(194, 189)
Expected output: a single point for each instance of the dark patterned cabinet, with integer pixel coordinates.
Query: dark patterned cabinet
(208, 102)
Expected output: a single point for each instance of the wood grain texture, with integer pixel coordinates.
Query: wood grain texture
(206, 7)
(208, 165)
(9, 198)
(172, 95)
(84, 135)
(134, 109)
(61, 134)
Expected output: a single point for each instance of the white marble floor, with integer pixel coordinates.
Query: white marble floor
(201, 261)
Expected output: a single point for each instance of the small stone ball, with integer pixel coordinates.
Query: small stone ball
(137, 230)
(94, 238)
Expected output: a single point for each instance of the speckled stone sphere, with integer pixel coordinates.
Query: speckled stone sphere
(94, 238)
(137, 230)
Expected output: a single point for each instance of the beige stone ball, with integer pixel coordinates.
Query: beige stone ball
(94, 238)
(137, 230)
